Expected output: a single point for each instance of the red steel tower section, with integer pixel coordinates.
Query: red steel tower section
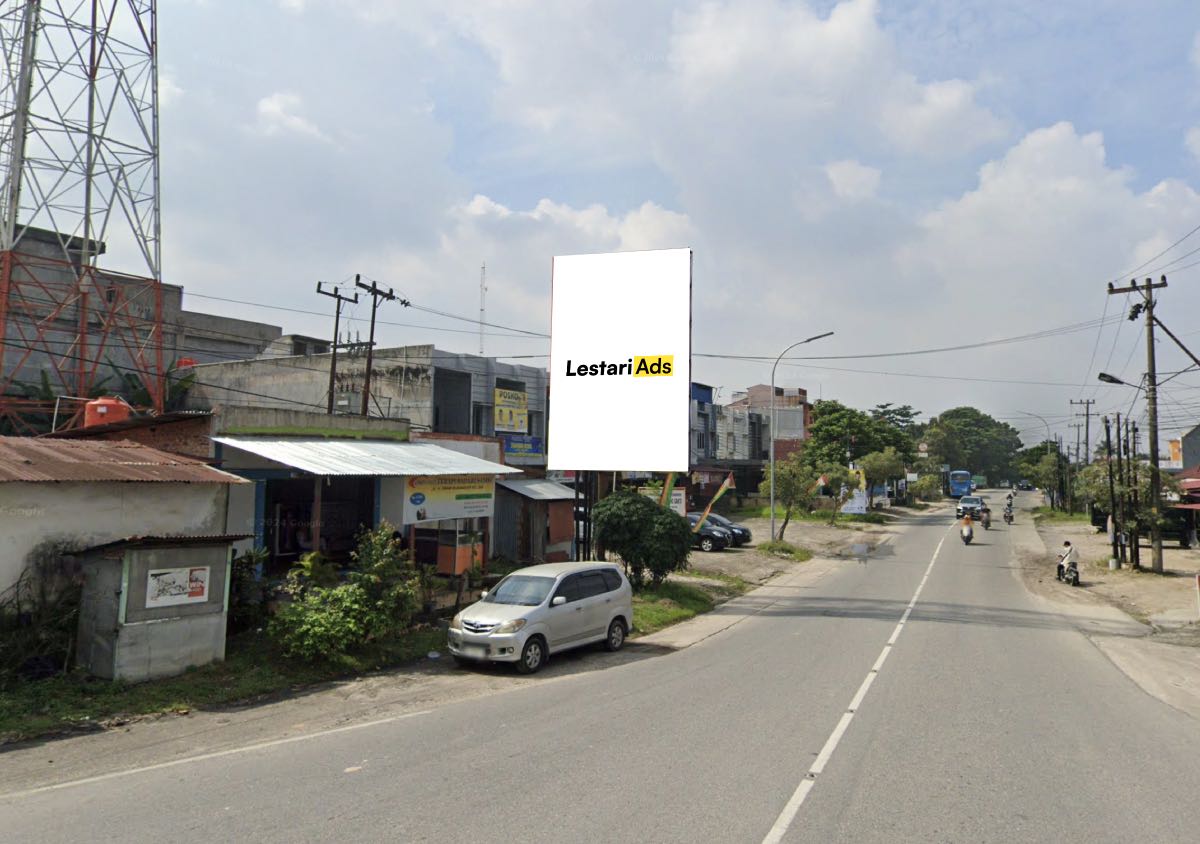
(80, 257)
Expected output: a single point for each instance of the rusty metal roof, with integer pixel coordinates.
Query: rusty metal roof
(172, 541)
(48, 461)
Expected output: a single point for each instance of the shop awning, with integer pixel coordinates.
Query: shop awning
(538, 489)
(370, 458)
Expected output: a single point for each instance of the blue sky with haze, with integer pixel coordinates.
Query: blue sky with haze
(907, 174)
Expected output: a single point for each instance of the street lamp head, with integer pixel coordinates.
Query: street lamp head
(1110, 379)
(817, 337)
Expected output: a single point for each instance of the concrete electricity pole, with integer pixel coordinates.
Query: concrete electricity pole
(337, 316)
(1115, 561)
(1146, 306)
(1087, 426)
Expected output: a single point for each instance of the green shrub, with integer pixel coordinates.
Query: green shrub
(376, 603)
(247, 592)
(323, 622)
(644, 535)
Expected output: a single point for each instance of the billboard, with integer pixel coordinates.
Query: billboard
(620, 361)
(523, 449)
(428, 499)
(511, 413)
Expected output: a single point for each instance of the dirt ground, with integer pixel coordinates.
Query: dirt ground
(755, 566)
(1166, 602)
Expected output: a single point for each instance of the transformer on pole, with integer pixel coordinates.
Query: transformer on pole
(80, 241)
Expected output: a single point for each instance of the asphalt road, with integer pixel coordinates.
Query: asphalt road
(820, 717)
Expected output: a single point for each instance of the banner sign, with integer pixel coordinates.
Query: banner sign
(170, 587)
(523, 448)
(511, 412)
(621, 339)
(427, 499)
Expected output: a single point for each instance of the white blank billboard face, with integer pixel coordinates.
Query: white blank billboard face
(620, 361)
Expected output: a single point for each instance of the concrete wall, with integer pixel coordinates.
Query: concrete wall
(85, 514)
(404, 385)
(204, 337)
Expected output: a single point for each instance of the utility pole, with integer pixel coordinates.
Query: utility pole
(1121, 521)
(1147, 306)
(1087, 426)
(1112, 495)
(1078, 426)
(336, 295)
(377, 294)
(1135, 527)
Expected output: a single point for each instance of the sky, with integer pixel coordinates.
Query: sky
(909, 175)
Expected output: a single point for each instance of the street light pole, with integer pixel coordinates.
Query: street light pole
(1048, 439)
(772, 439)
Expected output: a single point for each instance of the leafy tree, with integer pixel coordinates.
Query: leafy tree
(880, 467)
(841, 483)
(795, 486)
(902, 418)
(645, 536)
(835, 429)
(967, 438)
(927, 488)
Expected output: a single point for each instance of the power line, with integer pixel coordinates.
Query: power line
(1124, 275)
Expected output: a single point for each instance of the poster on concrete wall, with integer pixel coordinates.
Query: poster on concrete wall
(510, 412)
(620, 361)
(428, 499)
(170, 587)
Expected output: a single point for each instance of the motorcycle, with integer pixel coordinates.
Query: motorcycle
(966, 534)
(1068, 574)
(1008, 516)
(986, 519)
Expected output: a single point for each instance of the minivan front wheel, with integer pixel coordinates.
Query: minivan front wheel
(533, 655)
(616, 635)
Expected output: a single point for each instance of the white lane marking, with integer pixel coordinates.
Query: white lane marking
(216, 754)
(784, 821)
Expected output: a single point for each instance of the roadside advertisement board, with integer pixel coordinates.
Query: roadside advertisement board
(620, 361)
(170, 587)
(511, 412)
(428, 499)
(678, 501)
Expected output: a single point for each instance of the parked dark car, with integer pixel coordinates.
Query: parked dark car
(741, 533)
(709, 537)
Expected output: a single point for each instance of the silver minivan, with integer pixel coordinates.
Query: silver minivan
(544, 609)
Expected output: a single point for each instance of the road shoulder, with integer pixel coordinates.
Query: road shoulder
(1168, 672)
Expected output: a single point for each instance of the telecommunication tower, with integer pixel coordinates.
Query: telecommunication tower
(80, 246)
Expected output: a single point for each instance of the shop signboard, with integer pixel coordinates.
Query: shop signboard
(521, 448)
(171, 587)
(511, 412)
(678, 501)
(428, 499)
(620, 339)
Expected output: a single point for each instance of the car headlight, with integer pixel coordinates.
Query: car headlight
(456, 622)
(510, 626)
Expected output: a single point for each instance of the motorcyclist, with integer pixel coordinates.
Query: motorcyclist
(985, 517)
(966, 529)
(1069, 555)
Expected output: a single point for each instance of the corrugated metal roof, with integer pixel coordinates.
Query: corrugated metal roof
(538, 489)
(320, 456)
(47, 461)
(166, 540)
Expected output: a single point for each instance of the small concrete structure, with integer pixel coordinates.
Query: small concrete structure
(153, 606)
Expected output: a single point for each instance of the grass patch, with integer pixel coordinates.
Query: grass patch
(764, 512)
(730, 584)
(785, 549)
(1045, 515)
(656, 607)
(253, 669)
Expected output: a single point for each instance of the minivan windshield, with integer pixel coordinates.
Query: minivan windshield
(520, 589)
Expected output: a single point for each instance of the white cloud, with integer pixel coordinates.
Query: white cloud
(851, 180)
(1195, 56)
(277, 113)
(292, 5)
(1192, 142)
(168, 91)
